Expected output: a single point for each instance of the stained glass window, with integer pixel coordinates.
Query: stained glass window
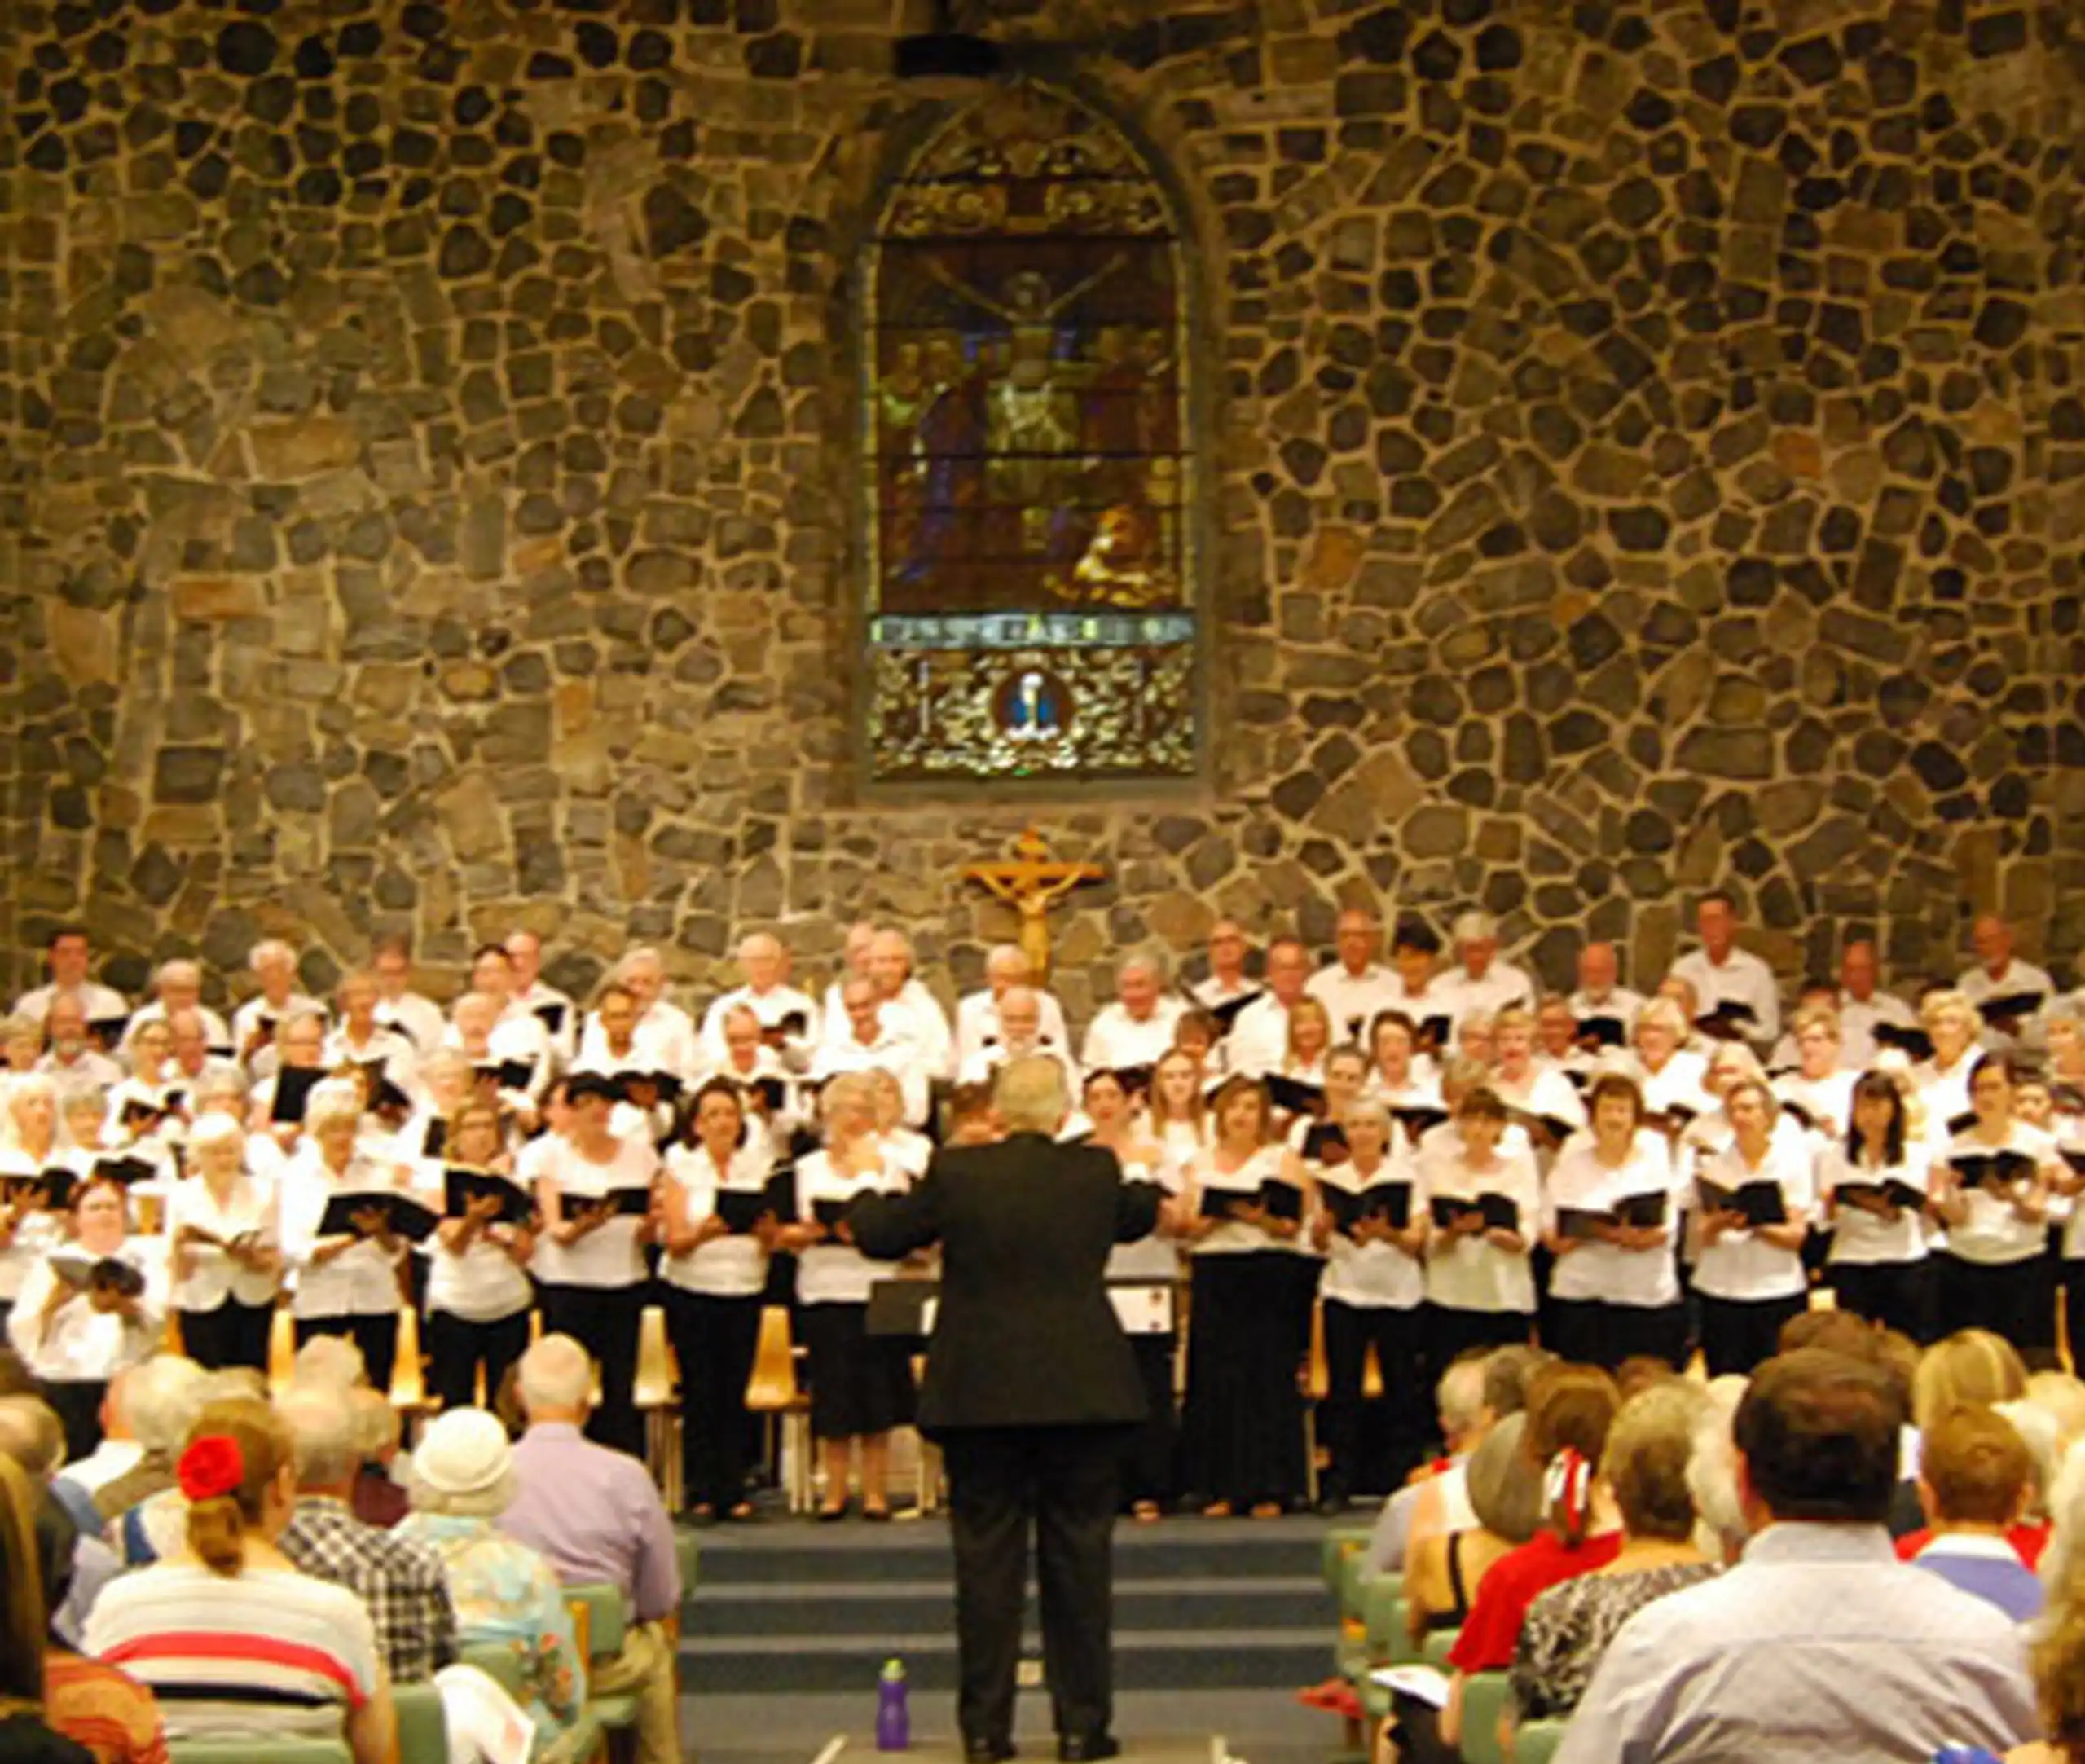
(1029, 476)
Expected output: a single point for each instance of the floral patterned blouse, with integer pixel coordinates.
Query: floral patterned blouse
(1569, 1626)
(506, 1595)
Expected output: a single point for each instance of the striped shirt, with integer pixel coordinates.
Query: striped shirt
(264, 1653)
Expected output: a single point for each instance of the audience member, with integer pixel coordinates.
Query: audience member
(238, 1644)
(461, 1480)
(1443, 1574)
(26, 1734)
(1972, 1481)
(1819, 1644)
(158, 1402)
(32, 1436)
(377, 1499)
(592, 1512)
(1459, 1404)
(400, 1581)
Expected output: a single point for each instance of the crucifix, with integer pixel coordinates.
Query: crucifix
(1031, 883)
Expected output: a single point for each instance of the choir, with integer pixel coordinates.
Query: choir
(1368, 1170)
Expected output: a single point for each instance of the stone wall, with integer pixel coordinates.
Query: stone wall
(1648, 442)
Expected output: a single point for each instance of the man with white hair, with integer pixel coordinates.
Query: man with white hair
(68, 957)
(555, 1010)
(1136, 1030)
(177, 986)
(196, 1060)
(274, 965)
(1356, 985)
(788, 1016)
(876, 1040)
(593, 1513)
(908, 1007)
(1018, 1034)
(70, 1054)
(1480, 983)
(1031, 1389)
(663, 1029)
(401, 1581)
(978, 1024)
(146, 1416)
(1458, 1399)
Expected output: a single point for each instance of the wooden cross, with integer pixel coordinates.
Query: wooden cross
(1031, 883)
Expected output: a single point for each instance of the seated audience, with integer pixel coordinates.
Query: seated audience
(1459, 1405)
(377, 1499)
(238, 1643)
(1819, 1644)
(592, 1512)
(1443, 1574)
(1643, 1474)
(32, 1437)
(158, 1402)
(461, 1480)
(1442, 1502)
(28, 1733)
(400, 1581)
(1972, 1481)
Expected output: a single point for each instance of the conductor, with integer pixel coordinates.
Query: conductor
(1030, 1386)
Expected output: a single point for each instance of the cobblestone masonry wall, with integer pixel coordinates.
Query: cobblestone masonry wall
(1648, 441)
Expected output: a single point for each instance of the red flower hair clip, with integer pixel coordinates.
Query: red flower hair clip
(212, 1467)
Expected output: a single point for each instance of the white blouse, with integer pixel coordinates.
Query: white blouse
(39, 1229)
(1232, 1237)
(1583, 1179)
(734, 1267)
(484, 1284)
(1740, 1265)
(1152, 1257)
(1860, 1239)
(1469, 1273)
(833, 1272)
(610, 1255)
(1994, 1234)
(80, 1343)
(1374, 1276)
(212, 1275)
(360, 1281)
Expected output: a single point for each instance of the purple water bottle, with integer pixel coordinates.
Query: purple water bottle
(894, 1719)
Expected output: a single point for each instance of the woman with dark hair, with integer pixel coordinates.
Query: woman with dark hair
(1874, 1190)
(1242, 1432)
(1991, 1191)
(718, 1228)
(1483, 1202)
(1608, 1213)
(238, 1642)
(478, 1293)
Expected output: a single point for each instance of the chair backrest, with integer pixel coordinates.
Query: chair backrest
(687, 1556)
(657, 1374)
(597, 1619)
(259, 1752)
(1437, 1647)
(1382, 1621)
(1484, 1698)
(1535, 1742)
(423, 1729)
(1318, 1379)
(771, 1387)
(500, 1662)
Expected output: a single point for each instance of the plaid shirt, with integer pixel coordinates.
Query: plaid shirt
(400, 1581)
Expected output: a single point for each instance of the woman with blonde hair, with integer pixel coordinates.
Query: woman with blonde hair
(237, 1643)
(1973, 1368)
(1178, 1116)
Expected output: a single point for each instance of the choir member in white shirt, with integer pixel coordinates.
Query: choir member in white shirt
(1943, 1080)
(1723, 974)
(903, 1149)
(1991, 1191)
(1670, 1073)
(594, 1194)
(1610, 1210)
(1421, 991)
(1479, 1279)
(510, 1055)
(1879, 1265)
(94, 1305)
(1242, 1443)
(874, 1042)
(1539, 1097)
(1302, 1063)
(1226, 982)
(666, 1029)
(67, 957)
(1148, 1472)
(347, 1282)
(1261, 1036)
(1816, 995)
(1750, 1277)
(1556, 1039)
(419, 1017)
(1136, 1030)
(717, 1226)
(1400, 1079)
(555, 1010)
(1862, 1009)
(70, 1053)
(1821, 1086)
(177, 986)
(195, 1061)
(31, 1145)
(861, 1385)
(1999, 975)
(254, 1024)
(1601, 998)
(226, 1269)
(2066, 1082)
(148, 1103)
(1372, 1287)
(517, 1034)
(789, 1019)
(1480, 984)
(21, 1045)
(908, 1006)
(1177, 1115)
(977, 1014)
(478, 1294)
(299, 1046)
(1357, 986)
(768, 1092)
(854, 965)
(1019, 1031)
(358, 1038)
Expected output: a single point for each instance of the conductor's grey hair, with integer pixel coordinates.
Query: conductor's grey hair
(1029, 1094)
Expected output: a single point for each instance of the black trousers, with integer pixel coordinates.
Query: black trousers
(1450, 1333)
(1147, 1461)
(456, 1348)
(604, 1320)
(1738, 1334)
(376, 1336)
(232, 1335)
(714, 1341)
(2073, 1276)
(1349, 1330)
(2015, 1299)
(1061, 1483)
(77, 1403)
(1595, 1332)
(1896, 1294)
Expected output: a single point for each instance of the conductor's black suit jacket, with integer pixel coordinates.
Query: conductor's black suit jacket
(1025, 1335)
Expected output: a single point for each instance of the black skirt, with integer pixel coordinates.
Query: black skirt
(1242, 1433)
(861, 1384)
